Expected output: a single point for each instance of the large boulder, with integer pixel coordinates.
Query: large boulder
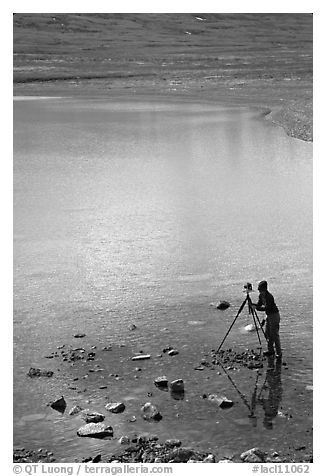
(150, 412)
(95, 430)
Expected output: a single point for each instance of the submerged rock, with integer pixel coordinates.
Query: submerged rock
(92, 417)
(75, 410)
(181, 455)
(95, 430)
(255, 365)
(150, 412)
(115, 407)
(22, 455)
(39, 373)
(124, 440)
(166, 349)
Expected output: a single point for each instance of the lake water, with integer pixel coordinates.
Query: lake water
(145, 212)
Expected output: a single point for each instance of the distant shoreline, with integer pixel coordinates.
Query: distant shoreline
(244, 59)
(294, 116)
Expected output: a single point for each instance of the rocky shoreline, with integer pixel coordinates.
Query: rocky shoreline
(147, 448)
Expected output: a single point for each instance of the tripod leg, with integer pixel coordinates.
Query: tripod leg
(236, 317)
(256, 315)
(251, 311)
(254, 318)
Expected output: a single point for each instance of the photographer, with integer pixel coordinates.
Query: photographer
(266, 303)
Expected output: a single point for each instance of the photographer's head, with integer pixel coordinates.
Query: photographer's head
(262, 286)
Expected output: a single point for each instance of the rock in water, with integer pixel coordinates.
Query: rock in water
(250, 328)
(177, 386)
(150, 412)
(222, 305)
(173, 443)
(254, 455)
(222, 401)
(209, 459)
(181, 455)
(124, 440)
(92, 417)
(95, 430)
(141, 357)
(255, 365)
(59, 405)
(161, 382)
(115, 407)
(173, 352)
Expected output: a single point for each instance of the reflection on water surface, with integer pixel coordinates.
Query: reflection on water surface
(145, 212)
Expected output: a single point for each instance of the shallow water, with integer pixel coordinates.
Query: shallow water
(146, 212)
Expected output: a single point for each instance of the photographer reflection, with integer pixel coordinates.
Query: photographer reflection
(268, 395)
(273, 385)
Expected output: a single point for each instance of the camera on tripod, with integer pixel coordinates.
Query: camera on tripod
(252, 311)
(248, 288)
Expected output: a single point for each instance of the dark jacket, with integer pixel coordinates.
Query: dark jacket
(266, 303)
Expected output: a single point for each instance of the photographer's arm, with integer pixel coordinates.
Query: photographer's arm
(259, 306)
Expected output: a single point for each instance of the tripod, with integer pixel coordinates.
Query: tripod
(252, 312)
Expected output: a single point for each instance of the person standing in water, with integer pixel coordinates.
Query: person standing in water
(266, 303)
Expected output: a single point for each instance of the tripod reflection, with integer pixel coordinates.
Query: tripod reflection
(269, 396)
